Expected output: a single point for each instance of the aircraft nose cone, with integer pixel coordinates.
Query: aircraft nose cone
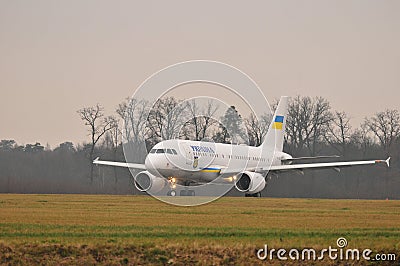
(153, 163)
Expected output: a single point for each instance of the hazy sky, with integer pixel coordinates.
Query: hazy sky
(58, 56)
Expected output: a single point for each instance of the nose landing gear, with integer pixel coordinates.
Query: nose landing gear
(171, 193)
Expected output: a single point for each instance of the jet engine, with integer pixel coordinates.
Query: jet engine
(144, 181)
(250, 182)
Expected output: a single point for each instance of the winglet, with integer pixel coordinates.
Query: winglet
(387, 161)
(384, 161)
(95, 160)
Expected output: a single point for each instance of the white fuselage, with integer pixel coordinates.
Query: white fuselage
(203, 161)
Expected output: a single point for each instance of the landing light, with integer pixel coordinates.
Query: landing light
(230, 178)
(172, 180)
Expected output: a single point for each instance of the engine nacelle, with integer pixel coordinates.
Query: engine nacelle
(285, 158)
(250, 182)
(146, 182)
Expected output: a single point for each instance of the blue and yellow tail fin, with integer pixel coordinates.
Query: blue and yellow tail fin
(275, 135)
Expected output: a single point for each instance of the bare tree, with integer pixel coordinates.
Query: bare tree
(338, 133)
(134, 115)
(386, 127)
(307, 122)
(362, 139)
(201, 119)
(256, 129)
(98, 125)
(166, 118)
(133, 112)
(113, 140)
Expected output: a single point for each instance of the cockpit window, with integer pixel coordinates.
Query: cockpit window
(153, 151)
(160, 151)
(169, 151)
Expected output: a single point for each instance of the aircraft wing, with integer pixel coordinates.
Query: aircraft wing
(120, 164)
(323, 165)
(309, 158)
(300, 167)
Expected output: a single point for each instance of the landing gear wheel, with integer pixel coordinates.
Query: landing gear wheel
(255, 195)
(187, 193)
(171, 193)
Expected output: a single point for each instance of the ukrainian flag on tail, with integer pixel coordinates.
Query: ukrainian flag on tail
(275, 136)
(278, 123)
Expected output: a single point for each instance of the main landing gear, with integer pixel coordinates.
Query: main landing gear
(187, 192)
(256, 195)
(184, 192)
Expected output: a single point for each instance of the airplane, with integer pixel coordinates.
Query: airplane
(186, 162)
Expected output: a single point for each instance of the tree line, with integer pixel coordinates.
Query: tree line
(313, 128)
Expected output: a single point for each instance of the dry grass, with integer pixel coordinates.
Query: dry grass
(84, 229)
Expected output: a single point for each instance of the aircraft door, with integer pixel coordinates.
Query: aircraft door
(189, 155)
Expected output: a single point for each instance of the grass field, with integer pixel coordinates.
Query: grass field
(87, 229)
